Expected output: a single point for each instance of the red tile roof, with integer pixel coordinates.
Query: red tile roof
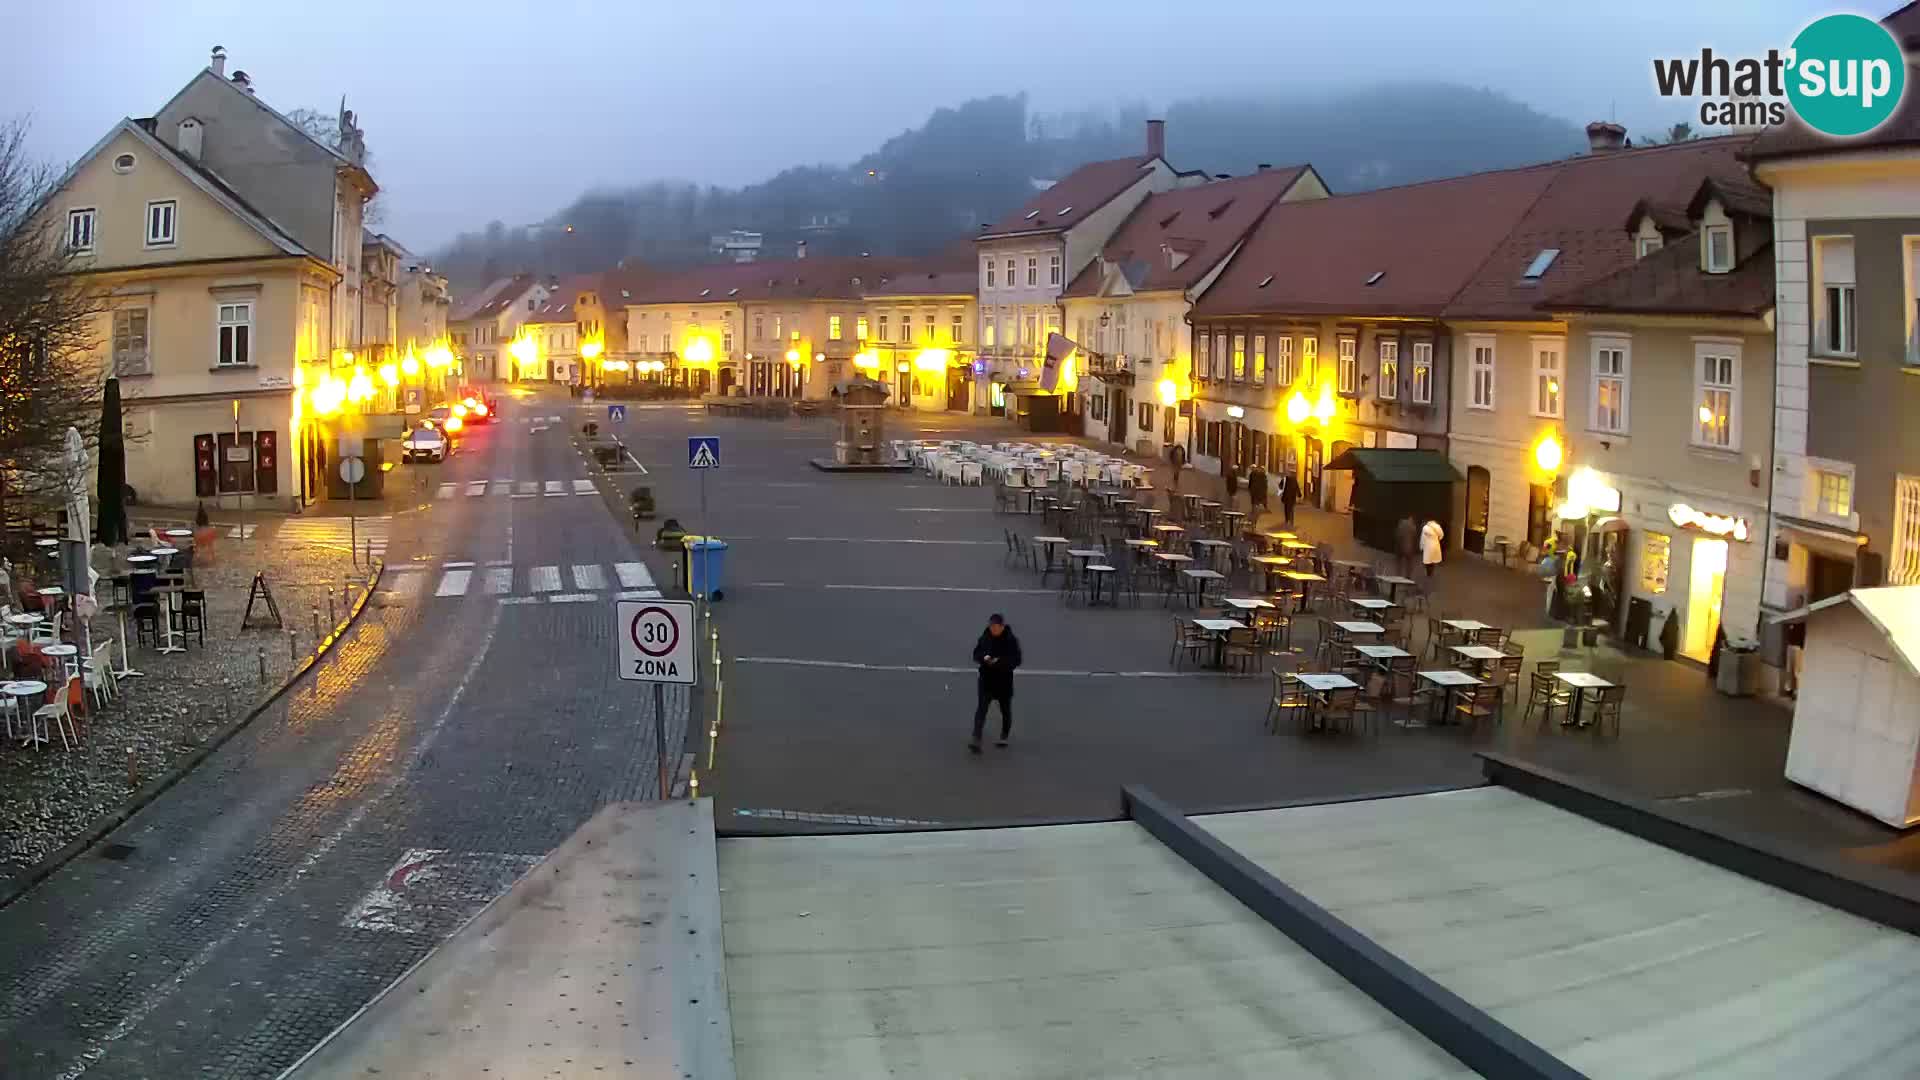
(916, 281)
(1203, 223)
(789, 279)
(1315, 257)
(1670, 282)
(1068, 202)
(1580, 214)
(497, 294)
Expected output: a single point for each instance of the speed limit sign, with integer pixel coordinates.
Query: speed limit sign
(655, 640)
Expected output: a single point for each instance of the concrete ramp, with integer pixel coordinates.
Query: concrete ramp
(605, 960)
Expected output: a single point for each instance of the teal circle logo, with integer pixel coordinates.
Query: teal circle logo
(1848, 75)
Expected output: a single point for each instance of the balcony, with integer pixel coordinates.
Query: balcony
(1115, 369)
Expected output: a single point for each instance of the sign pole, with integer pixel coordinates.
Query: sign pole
(660, 737)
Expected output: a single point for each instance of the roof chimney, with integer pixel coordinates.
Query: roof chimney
(1605, 135)
(1157, 138)
(188, 138)
(1264, 166)
(800, 250)
(244, 81)
(219, 64)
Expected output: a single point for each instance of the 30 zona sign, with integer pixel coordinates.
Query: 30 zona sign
(656, 640)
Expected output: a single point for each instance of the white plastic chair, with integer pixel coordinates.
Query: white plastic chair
(59, 715)
(98, 672)
(970, 473)
(46, 631)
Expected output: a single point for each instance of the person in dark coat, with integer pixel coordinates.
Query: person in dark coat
(1406, 544)
(1257, 492)
(1231, 477)
(997, 655)
(1289, 494)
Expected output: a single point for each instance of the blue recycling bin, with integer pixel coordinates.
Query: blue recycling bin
(706, 567)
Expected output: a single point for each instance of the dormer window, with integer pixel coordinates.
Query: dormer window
(1064, 211)
(1644, 246)
(1031, 214)
(1718, 243)
(1541, 263)
(1374, 278)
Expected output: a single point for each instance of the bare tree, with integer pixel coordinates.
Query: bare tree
(51, 378)
(325, 129)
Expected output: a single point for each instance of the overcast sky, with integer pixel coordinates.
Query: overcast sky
(486, 109)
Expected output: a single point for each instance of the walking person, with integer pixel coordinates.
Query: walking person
(996, 654)
(1257, 493)
(1231, 477)
(1430, 537)
(1406, 544)
(1289, 494)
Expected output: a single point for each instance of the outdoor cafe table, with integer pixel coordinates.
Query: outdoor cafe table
(1481, 655)
(1211, 547)
(1281, 534)
(1355, 627)
(1138, 544)
(1190, 506)
(1393, 583)
(1170, 531)
(1033, 494)
(1448, 681)
(1371, 603)
(1200, 578)
(61, 653)
(20, 690)
(1047, 544)
(1580, 682)
(1296, 545)
(1097, 575)
(1147, 514)
(1380, 654)
(1085, 556)
(1233, 518)
(1270, 565)
(1467, 625)
(1218, 629)
(1322, 682)
(165, 554)
(1306, 580)
(179, 534)
(1248, 603)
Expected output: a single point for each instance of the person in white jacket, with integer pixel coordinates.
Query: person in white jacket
(1430, 536)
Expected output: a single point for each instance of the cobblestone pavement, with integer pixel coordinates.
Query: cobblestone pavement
(441, 749)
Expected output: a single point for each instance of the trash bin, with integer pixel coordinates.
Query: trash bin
(706, 565)
(1739, 674)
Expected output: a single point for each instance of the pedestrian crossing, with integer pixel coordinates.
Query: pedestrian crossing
(342, 534)
(570, 583)
(516, 489)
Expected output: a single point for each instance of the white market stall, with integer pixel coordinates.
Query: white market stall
(1856, 723)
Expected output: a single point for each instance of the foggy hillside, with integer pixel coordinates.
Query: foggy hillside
(929, 188)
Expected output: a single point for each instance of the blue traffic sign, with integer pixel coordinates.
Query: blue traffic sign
(703, 452)
(616, 414)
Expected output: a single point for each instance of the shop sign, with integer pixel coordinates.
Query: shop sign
(1586, 489)
(1236, 412)
(1687, 517)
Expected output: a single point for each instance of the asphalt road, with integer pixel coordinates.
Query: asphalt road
(468, 724)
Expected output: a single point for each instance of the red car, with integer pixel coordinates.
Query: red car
(481, 408)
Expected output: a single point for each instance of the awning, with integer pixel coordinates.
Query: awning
(1398, 466)
(1610, 524)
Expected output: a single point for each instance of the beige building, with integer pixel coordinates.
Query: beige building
(917, 330)
(1669, 395)
(486, 324)
(423, 304)
(224, 239)
(1126, 310)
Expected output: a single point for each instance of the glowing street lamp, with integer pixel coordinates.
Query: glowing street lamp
(390, 374)
(1548, 454)
(360, 387)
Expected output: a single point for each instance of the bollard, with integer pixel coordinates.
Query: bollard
(369, 554)
(333, 619)
(316, 622)
(261, 655)
(293, 652)
(133, 771)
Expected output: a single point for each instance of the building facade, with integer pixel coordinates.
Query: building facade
(1025, 262)
(916, 332)
(1846, 479)
(485, 326)
(1669, 394)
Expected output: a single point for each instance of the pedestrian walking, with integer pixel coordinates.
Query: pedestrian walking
(1430, 537)
(1257, 492)
(1406, 544)
(996, 654)
(1178, 455)
(1289, 494)
(1231, 477)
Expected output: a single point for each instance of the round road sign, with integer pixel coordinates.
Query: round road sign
(353, 469)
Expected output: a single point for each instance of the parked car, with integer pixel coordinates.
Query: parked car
(481, 409)
(424, 443)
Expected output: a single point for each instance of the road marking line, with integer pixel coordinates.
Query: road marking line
(633, 575)
(444, 491)
(405, 568)
(454, 583)
(534, 495)
(848, 665)
(503, 479)
(882, 540)
(456, 565)
(160, 994)
(544, 579)
(500, 487)
(499, 562)
(476, 487)
(902, 588)
(572, 597)
(519, 599)
(499, 580)
(583, 487)
(640, 594)
(636, 463)
(528, 487)
(553, 488)
(589, 576)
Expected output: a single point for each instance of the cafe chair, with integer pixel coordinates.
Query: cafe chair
(1471, 704)
(1188, 640)
(146, 622)
(193, 614)
(1546, 693)
(1505, 674)
(1605, 706)
(57, 714)
(1338, 709)
(1243, 650)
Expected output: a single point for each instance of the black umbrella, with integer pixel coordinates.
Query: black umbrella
(113, 469)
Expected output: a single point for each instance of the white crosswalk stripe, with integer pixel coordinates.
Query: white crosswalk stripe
(633, 575)
(588, 577)
(454, 583)
(476, 487)
(528, 487)
(240, 532)
(444, 491)
(544, 579)
(583, 487)
(499, 580)
(501, 487)
(554, 488)
(571, 583)
(368, 533)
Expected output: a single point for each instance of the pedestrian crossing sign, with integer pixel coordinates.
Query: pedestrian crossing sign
(616, 414)
(703, 452)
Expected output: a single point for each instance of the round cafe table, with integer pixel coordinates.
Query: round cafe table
(63, 653)
(180, 534)
(20, 690)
